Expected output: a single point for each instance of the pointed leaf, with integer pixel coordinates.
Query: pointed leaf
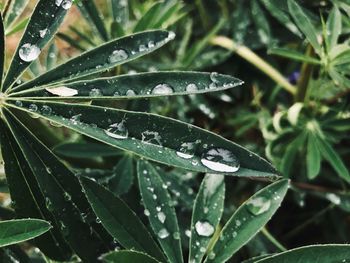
(123, 176)
(128, 256)
(106, 56)
(304, 24)
(312, 254)
(120, 11)
(15, 231)
(248, 219)
(160, 211)
(16, 9)
(161, 139)
(51, 58)
(119, 220)
(146, 21)
(43, 24)
(313, 158)
(137, 85)
(2, 50)
(334, 28)
(207, 212)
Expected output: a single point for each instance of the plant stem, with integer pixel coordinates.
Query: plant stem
(273, 240)
(305, 74)
(254, 59)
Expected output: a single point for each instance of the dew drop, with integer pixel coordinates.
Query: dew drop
(258, 205)
(333, 198)
(117, 130)
(29, 52)
(191, 87)
(211, 255)
(43, 32)
(62, 91)
(95, 93)
(19, 103)
(118, 55)
(186, 150)
(204, 228)
(130, 93)
(176, 235)
(46, 110)
(163, 233)
(33, 108)
(66, 4)
(162, 89)
(220, 160)
(146, 212)
(161, 217)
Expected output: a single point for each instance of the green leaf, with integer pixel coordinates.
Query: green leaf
(70, 41)
(159, 138)
(89, 10)
(292, 54)
(2, 50)
(304, 24)
(43, 24)
(128, 256)
(59, 201)
(207, 212)
(119, 220)
(83, 35)
(328, 152)
(148, 18)
(17, 27)
(15, 231)
(16, 9)
(28, 200)
(160, 211)
(123, 177)
(137, 85)
(331, 253)
(247, 220)
(334, 28)
(261, 22)
(85, 150)
(102, 58)
(313, 158)
(51, 58)
(120, 11)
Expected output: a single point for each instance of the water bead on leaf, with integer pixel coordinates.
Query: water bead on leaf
(204, 229)
(186, 150)
(117, 130)
(161, 217)
(258, 205)
(220, 160)
(62, 91)
(162, 89)
(118, 55)
(191, 87)
(163, 233)
(29, 52)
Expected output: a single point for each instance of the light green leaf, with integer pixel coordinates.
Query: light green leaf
(119, 220)
(313, 158)
(248, 219)
(15, 231)
(42, 26)
(160, 211)
(85, 150)
(102, 58)
(206, 215)
(137, 85)
(17, 27)
(15, 10)
(147, 19)
(159, 138)
(304, 24)
(292, 54)
(331, 253)
(334, 28)
(125, 256)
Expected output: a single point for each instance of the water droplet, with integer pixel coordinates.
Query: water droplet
(333, 198)
(171, 35)
(29, 52)
(204, 228)
(46, 110)
(151, 137)
(146, 212)
(98, 221)
(62, 91)
(258, 205)
(95, 93)
(188, 233)
(33, 108)
(19, 103)
(211, 255)
(130, 93)
(176, 235)
(220, 160)
(117, 130)
(162, 89)
(66, 4)
(67, 196)
(118, 55)
(161, 217)
(186, 150)
(163, 233)
(48, 204)
(191, 87)
(43, 32)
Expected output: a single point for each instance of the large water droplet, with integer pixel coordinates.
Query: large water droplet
(161, 217)
(117, 130)
(191, 87)
(163, 233)
(162, 89)
(66, 4)
(186, 150)
(220, 160)
(29, 52)
(258, 205)
(62, 91)
(43, 32)
(118, 55)
(204, 228)
(95, 93)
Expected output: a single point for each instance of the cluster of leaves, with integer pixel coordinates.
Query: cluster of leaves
(91, 203)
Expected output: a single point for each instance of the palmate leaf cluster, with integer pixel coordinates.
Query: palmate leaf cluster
(71, 211)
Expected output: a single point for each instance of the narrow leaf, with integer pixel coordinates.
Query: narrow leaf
(123, 176)
(334, 28)
(85, 150)
(146, 21)
(104, 57)
(2, 50)
(312, 254)
(120, 11)
(304, 24)
(160, 211)
(15, 11)
(248, 219)
(138, 85)
(313, 158)
(292, 54)
(161, 139)
(128, 256)
(207, 212)
(119, 220)
(43, 24)
(15, 231)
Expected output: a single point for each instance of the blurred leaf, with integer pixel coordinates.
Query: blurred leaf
(16, 9)
(334, 28)
(15, 231)
(128, 256)
(331, 253)
(160, 211)
(120, 11)
(313, 158)
(247, 220)
(148, 18)
(2, 50)
(72, 42)
(119, 220)
(207, 212)
(292, 54)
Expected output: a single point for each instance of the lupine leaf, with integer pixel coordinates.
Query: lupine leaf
(247, 220)
(85, 150)
(123, 176)
(313, 158)
(159, 138)
(206, 215)
(15, 231)
(334, 27)
(128, 256)
(292, 54)
(15, 11)
(103, 57)
(2, 49)
(160, 211)
(137, 85)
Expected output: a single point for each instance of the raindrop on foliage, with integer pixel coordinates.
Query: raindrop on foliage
(162, 89)
(161, 217)
(258, 205)
(29, 52)
(220, 160)
(118, 55)
(163, 233)
(204, 228)
(191, 87)
(117, 130)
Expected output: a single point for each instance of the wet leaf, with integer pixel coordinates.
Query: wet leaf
(128, 256)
